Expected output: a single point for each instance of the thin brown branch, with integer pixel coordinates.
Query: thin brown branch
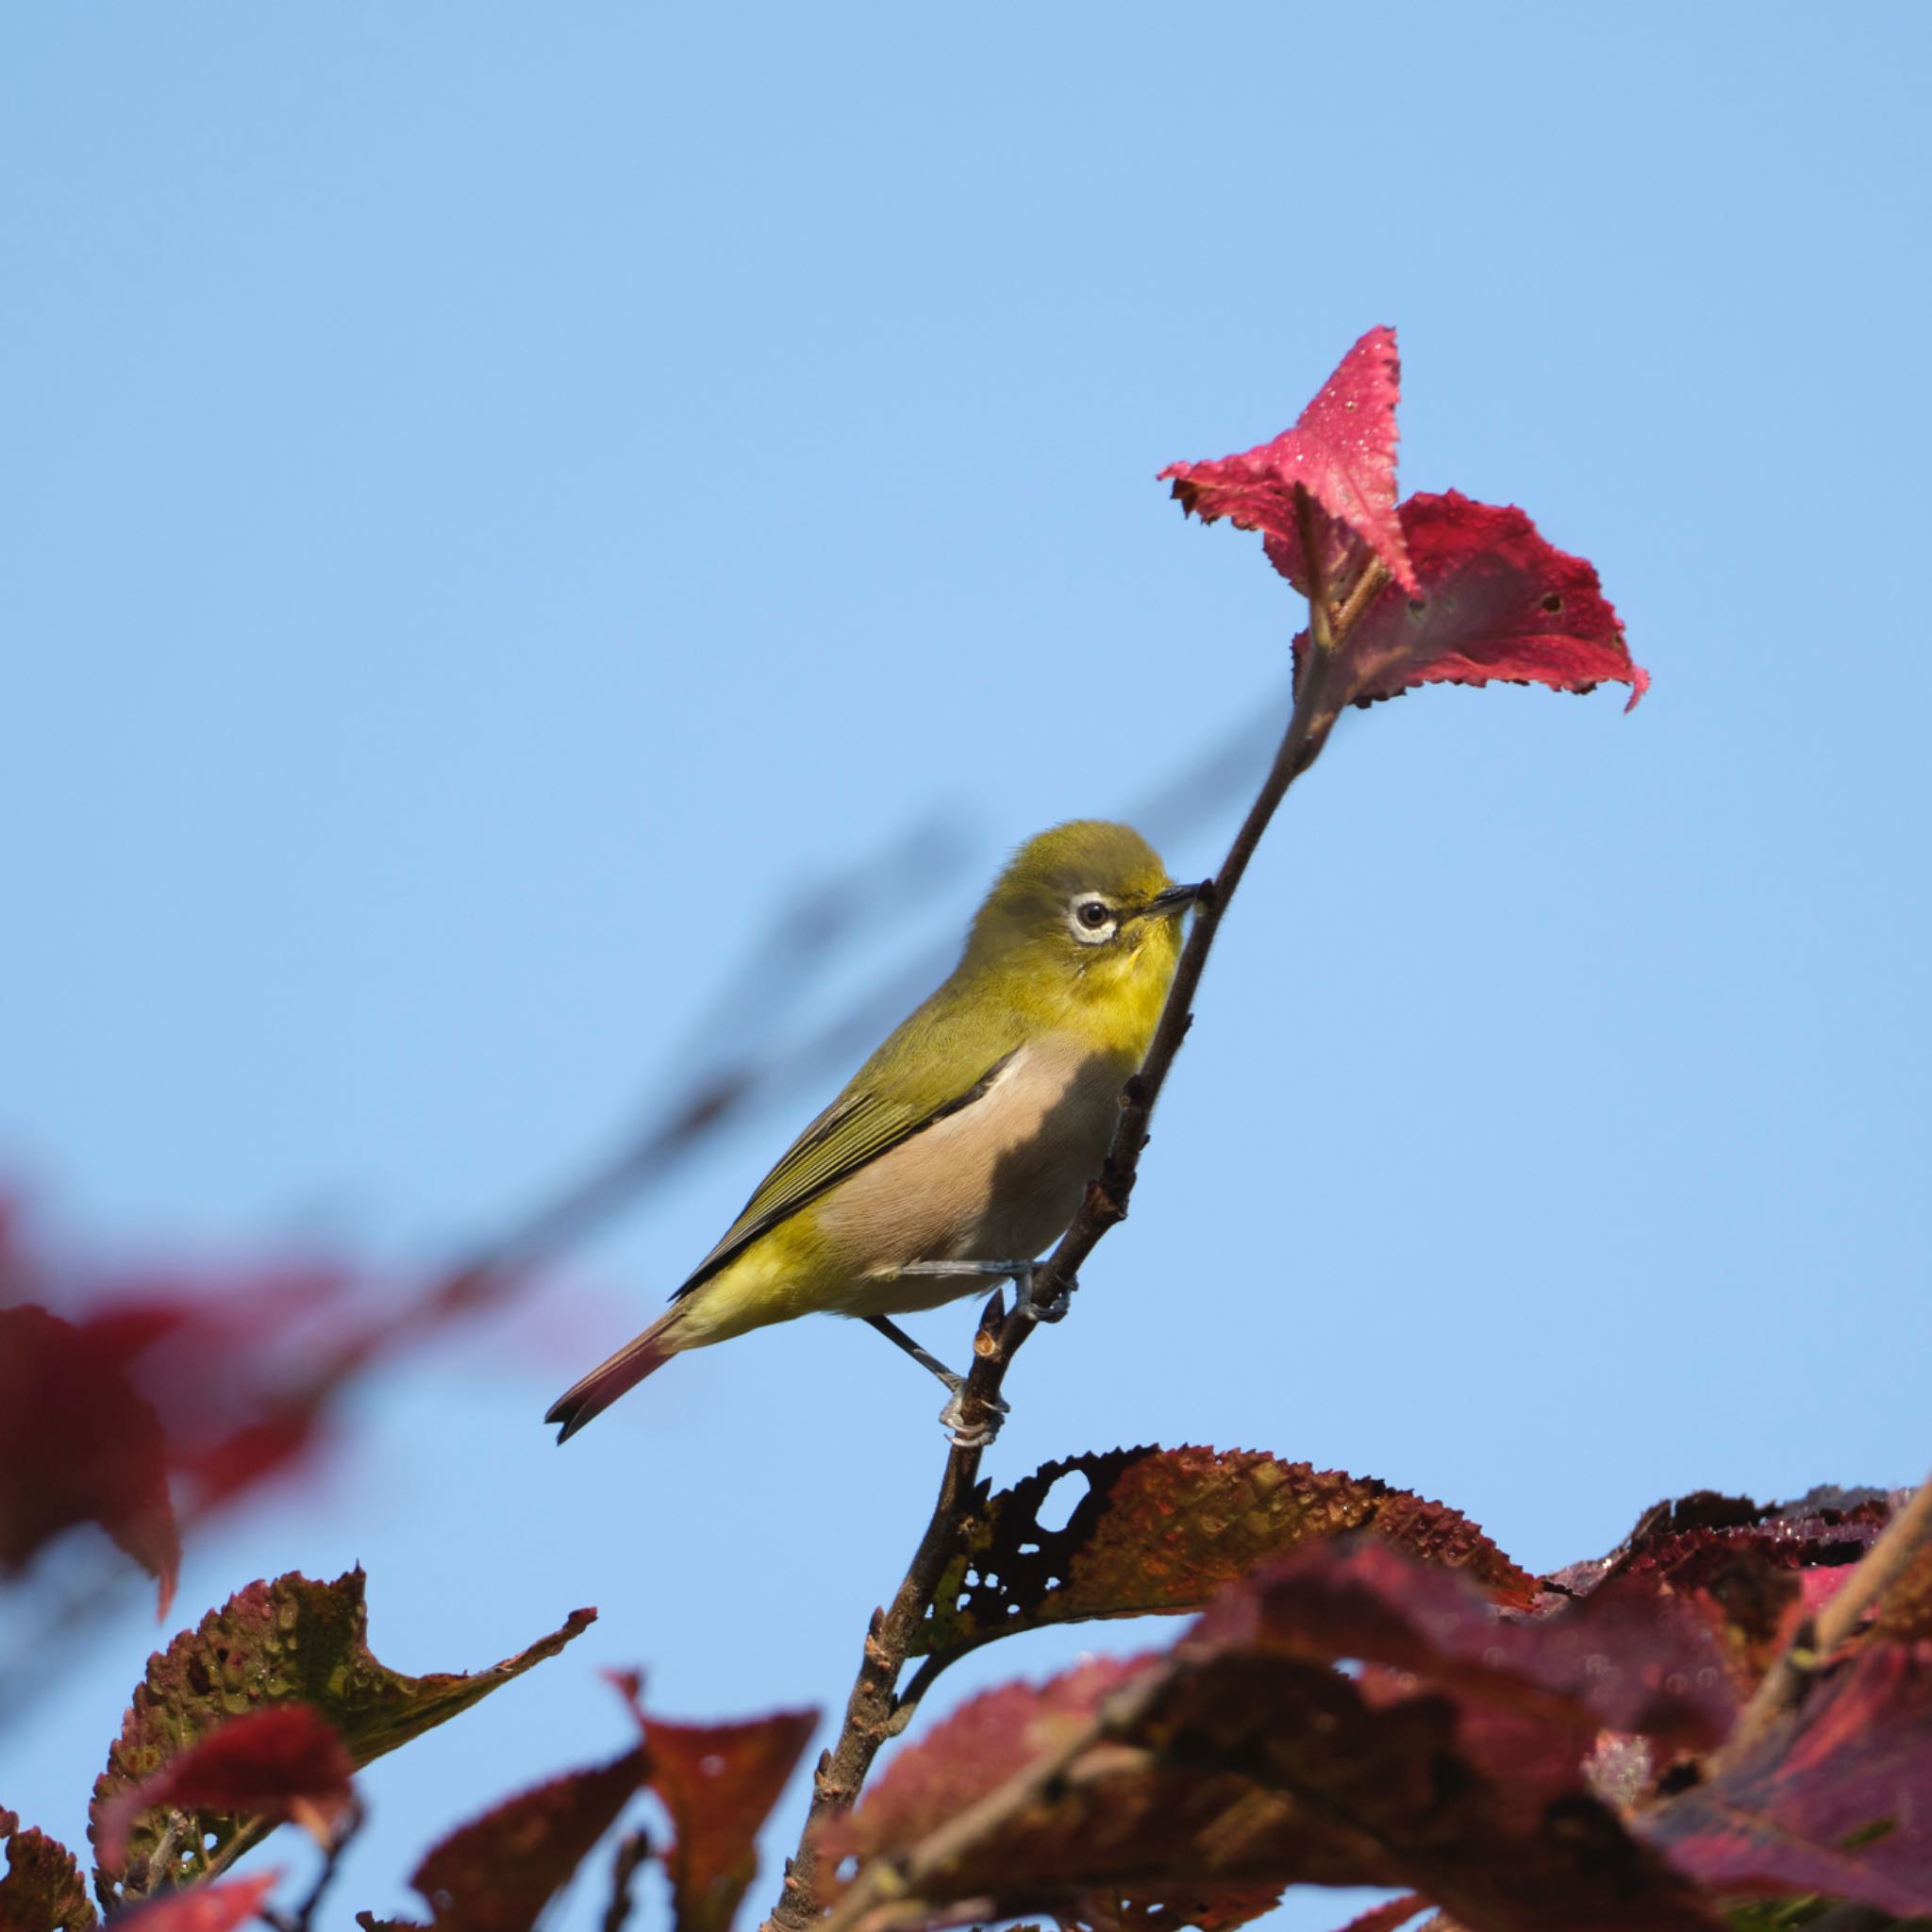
(871, 1713)
(303, 1917)
(1368, 587)
(1818, 1638)
(633, 1848)
(1320, 619)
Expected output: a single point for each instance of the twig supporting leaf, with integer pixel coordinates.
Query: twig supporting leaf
(1324, 497)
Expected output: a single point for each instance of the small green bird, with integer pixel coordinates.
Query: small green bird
(961, 1148)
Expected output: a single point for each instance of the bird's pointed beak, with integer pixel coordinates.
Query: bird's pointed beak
(1174, 899)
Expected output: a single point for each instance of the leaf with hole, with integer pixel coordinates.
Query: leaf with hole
(1159, 1531)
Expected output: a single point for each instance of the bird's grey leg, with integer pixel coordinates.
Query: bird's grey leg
(1020, 1273)
(931, 1363)
(952, 1417)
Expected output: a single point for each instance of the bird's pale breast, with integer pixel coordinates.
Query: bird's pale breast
(997, 1181)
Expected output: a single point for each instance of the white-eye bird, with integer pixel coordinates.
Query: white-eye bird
(961, 1148)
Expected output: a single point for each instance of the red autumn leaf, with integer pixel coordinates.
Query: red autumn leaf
(42, 1890)
(1452, 1764)
(719, 1783)
(284, 1762)
(1230, 1766)
(1492, 599)
(1341, 451)
(201, 1907)
(1830, 1800)
(78, 1444)
(497, 1873)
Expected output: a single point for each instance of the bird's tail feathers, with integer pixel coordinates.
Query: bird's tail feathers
(609, 1379)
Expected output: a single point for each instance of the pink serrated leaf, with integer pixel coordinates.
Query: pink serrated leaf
(1493, 600)
(1341, 451)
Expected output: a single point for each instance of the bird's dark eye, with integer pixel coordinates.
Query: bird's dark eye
(1093, 914)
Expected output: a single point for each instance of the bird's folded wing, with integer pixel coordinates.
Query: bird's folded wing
(857, 1128)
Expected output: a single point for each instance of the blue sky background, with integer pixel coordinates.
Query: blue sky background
(498, 500)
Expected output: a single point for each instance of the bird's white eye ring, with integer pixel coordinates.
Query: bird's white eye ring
(1091, 920)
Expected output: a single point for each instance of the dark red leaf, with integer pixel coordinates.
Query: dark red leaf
(719, 1783)
(287, 1761)
(1621, 1659)
(42, 1890)
(1160, 1530)
(497, 1873)
(78, 1444)
(1683, 1542)
(1492, 600)
(1389, 1917)
(1250, 1766)
(201, 1907)
(290, 1641)
(1752, 1571)
(1831, 1799)
(1341, 451)
(1170, 1909)
(1453, 1765)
